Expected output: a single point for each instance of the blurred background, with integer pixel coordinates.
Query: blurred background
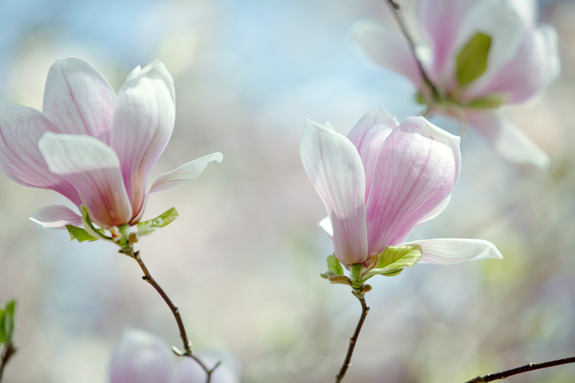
(243, 259)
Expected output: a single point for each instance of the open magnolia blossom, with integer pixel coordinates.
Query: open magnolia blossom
(94, 147)
(480, 55)
(378, 183)
(140, 357)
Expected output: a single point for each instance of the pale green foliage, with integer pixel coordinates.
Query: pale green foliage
(7, 323)
(147, 227)
(333, 267)
(394, 259)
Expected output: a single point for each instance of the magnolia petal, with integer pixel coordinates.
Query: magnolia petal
(449, 251)
(93, 169)
(534, 65)
(436, 211)
(140, 357)
(387, 48)
(441, 19)
(335, 169)
(368, 135)
(325, 224)
(78, 99)
(55, 217)
(501, 21)
(142, 126)
(417, 168)
(184, 173)
(507, 140)
(20, 159)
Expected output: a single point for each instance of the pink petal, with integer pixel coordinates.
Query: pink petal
(507, 140)
(449, 251)
(20, 159)
(498, 19)
(55, 217)
(441, 19)
(335, 169)
(184, 173)
(93, 169)
(78, 99)
(417, 168)
(368, 135)
(143, 124)
(534, 65)
(387, 48)
(140, 357)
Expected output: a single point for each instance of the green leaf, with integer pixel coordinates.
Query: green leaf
(394, 258)
(471, 61)
(79, 234)
(333, 267)
(492, 101)
(147, 227)
(7, 322)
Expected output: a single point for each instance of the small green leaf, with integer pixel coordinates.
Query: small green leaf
(394, 258)
(471, 61)
(79, 234)
(492, 101)
(147, 227)
(7, 323)
(333, 267)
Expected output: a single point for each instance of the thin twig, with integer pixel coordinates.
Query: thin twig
(521, 370)
(176, 312)
(353, 340)
(9, 351)
(395, 10)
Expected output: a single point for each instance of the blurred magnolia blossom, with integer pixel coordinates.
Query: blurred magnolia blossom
(381, 181)
(140, 357)
(93, 147)
(479, 55)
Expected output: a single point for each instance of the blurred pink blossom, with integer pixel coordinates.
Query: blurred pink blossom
(521, 58)
(140, 357)
(92, 146)
(381, 181)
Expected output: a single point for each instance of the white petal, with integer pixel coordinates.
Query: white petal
(334, 168)
(507, 140)
(450, 251)
(55, 217)
(184, 173)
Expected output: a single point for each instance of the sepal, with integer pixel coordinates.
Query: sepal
(394, 259)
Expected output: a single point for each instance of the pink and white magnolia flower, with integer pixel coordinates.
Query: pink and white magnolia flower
(140, 357)
(381, 181)
(480, 54)
(93, 147)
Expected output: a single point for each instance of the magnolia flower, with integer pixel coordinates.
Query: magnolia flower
(480, 55)
(381, 181)
(93, 147)
(140, 357)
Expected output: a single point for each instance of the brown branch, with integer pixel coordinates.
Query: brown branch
(9, 351)
(176, 312)
(521, 370)
(353, 339)
(426, 79)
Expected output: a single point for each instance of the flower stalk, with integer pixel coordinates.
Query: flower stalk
(359, 294)
(8, 352)
(129, 251)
